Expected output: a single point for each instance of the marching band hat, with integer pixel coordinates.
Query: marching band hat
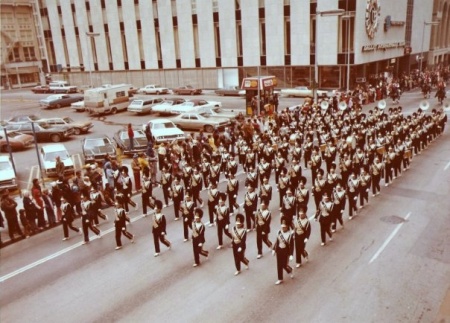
(321, 171)
(316, 148)
(240, 218)
(158, 204)
(223, 196)
(303, 179)
(283, 222)
(198, 213)
(333, 165)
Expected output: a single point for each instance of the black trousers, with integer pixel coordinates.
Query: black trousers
(325, 228)
(260, 238)
(196, 195)
(176, 208)
(232, 202)
(300, 248)
(363, 195)
(239, 257)
(68, 225)
(352, 197)
(376, 184)
(211, 208)
(187, 223)
(157, 237)
(283, 262)
(145, 202)
(249, 217)
(119, 232)
(87, 224)
(13, 226)
(198, 251)
(221, 230)
(338, 211)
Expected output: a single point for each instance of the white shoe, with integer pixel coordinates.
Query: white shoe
(248, 230)
(80, 232)
(331, 239)
(194, 265)
(247, 267)
(237, 273)
(132, 239)
(136, 208)
(64, 239)
(210, 225)
(144, 215)
(333, 231)
(118, 248)
(106, 217)
(185, 240)
(386, 185)
(176, 219)
(278, 282)
(201, 205)
(259, 257)
(373, 195)
(298, 265)
(85, 242)
(350, 217)
(322, 244)
(156, 254)
(219, 247)
(165, 205)
(292, 276)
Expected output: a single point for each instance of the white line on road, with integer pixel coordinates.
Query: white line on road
(375, 256)
(447, 166)
(57, 254)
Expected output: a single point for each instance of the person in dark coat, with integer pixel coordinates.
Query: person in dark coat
(120, 224)
(239, 239)
(159, 228)
(198, 237)
(8, 205)
(302, 229)
(284, 249)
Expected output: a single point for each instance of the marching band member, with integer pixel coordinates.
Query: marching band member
(318, 188)
(147, 189)
(96, 198)
(345, 165)
(252, 177)
(222, 219)
(213, 201)
(408, 153)
(87, 218)
(159, 228)
(364, 181)
(187, 173)
(324, 217)
(399, 153)
(307, 149)
(332, 178)
(239, 238)
(265, 191)
(232, 191)
(250, 205)
(315, 163)
(280, 163)
(302, 195)
(67, 218)
(187, 214)
(295, 172)
(232, 166)
(214, 171)
(353, 186)
(177, 195)
(284, 249)
(205, 171)
(121, 226)
(196, 185)
(389, 165)
(250, 160)
(165, 183)
(302, 231)
(339, 195)
(330, 154)
(198, 237)
(288, 207)
(376, 170)
(263, 217)
(264, 169)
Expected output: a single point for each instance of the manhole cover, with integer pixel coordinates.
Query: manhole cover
(394, 219)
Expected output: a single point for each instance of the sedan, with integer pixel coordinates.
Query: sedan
(58, 101)
(16, 140)
(43, 131)
(123, 142)
(196, 105)
(79, 126)
(96, 147)
(166, 106)
(78, 106)
(189, 90)
(8, 178)
(41, 89)
(299, 91)
(200, 121)
(231, 91)
(24, 118)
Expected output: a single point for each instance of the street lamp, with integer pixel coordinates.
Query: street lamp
(348, 18)
(425, 23)
(91, 58)
(326, 13)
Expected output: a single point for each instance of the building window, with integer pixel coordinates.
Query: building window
(196, 45)
(239, 39)
(217, 40)
(262, 31)
(287, 37)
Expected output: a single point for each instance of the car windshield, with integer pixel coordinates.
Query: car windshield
(4, 165)
(53, 97)
(96, 142)
(68, 120)
(164, 125)
(137, 102)
(44, 125)
(52, 155)
(217, 110)
(204, 115)
(13, 134)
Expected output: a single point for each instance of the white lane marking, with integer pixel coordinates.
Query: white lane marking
(386, 242)
(447, 166)
(59, 253)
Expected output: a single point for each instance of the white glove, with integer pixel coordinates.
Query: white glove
(355, 198)
(367, 190)
(306, 240)
(239, 249)
(200, 244)
(123, 229)
(226, 227)
(291, 258)
(263, 233)
(163, 234)
(186, 220)
(273, 252)
(234, 195)
(87, 221)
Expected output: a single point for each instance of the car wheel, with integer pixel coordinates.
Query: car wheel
(55, 138)
(209, 128)
(113, 110)
(77, 131)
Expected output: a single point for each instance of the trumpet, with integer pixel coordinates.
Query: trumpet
(381, 104)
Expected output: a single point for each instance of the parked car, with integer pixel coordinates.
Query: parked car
(142, 106)
(44, 132)
(166, 105)
(200, 121)
(123, 142)
(79, 126)
(62, 87)
(222, 113)
(196, 105)
(24, 118)
(96, 147)
(78, 106)
(153, 89)
(231, 91)
(8, 177)
(48, 158)
(299, 91)
(17, 141)
(164, 130)
(189, 90)
(41, 89)
(59, 101)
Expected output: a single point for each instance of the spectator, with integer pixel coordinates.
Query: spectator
(49, 207)
(25, 224)
(36, 193)
(8, 205)
(59, 166)
(30, 210)
(130, 136)
(56, 197)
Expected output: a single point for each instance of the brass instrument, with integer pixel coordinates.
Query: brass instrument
(324, 105)
(342, 105)
(381, 150)
(424, 105)
(351, 140)
(382, 104)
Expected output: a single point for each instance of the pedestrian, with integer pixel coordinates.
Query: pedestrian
(49, 207)
(198, 237)
(36, 193)
(8, 205)
(239, 239)
(67, 219)
(136, 168)
(284, 249)
(30, 210)
(159, 228)
(130, 133)
(59, 167)
(302, 229)
(56, 197)
(121, 226)
(24, 221)
(87, 218)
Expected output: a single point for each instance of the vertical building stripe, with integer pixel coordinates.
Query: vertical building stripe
(131, 37)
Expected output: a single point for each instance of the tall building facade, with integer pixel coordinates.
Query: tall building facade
(215, 43)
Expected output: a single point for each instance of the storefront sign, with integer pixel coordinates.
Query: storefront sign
(375, 47)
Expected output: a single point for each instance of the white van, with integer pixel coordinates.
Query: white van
(48, 157)
(62, 87)
(141, 106)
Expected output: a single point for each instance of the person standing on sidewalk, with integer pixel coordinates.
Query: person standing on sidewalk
(49, 207)
(8, 205)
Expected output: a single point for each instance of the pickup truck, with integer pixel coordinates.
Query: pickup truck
(153, 89)
(62, 87)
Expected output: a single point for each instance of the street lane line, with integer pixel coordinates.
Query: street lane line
(59, 253)
(447, 166)
(386, 242)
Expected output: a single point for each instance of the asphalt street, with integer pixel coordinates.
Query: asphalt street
(391, 263)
